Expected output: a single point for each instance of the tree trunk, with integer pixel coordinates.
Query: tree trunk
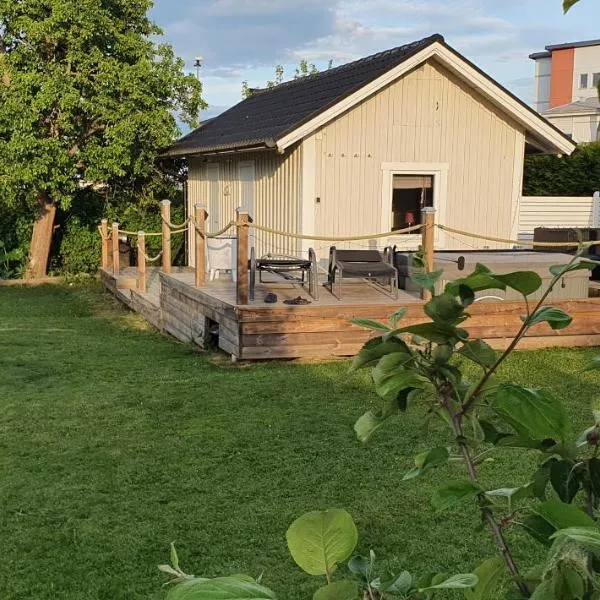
(41, 238)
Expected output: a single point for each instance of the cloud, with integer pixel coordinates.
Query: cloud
(245, 39)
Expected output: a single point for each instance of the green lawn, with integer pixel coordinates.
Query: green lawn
(116, 441)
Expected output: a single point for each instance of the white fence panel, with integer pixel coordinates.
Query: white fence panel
(557, 211)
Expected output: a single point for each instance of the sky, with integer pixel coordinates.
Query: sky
(243, 40)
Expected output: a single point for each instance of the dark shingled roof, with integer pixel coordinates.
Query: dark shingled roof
(270, 114)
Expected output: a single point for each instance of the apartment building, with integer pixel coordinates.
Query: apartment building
(567, 77)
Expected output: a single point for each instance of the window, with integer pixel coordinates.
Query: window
(583, 81)
(596, 79)
(410, 194)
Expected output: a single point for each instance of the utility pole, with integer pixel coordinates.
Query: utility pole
(198, 65)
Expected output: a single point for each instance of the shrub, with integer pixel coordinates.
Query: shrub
(80, 248)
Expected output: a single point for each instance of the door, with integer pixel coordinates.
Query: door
(247, 177)
(212, 177)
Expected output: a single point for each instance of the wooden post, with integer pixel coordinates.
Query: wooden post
(115, 248)
(428, 247)
(200, 215)
(165, 212)
(141, 262)
(243, 219)
(105, 249)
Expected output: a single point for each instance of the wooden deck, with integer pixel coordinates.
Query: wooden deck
(322, 328)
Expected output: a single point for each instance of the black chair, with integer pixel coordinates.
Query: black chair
(286, 267)
(360, 264)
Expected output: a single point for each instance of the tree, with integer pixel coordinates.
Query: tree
(567, 4)
(88, 99)
(304, 69)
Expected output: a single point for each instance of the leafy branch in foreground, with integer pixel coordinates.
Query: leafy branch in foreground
(422, 364)
(319, 542)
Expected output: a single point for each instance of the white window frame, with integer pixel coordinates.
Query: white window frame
(595, 79)
(587, 80)
(439, 172)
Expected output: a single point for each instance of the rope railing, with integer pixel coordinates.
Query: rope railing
(196, 225)
(533, 244)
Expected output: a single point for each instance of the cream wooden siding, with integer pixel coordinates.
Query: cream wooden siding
(276, 195)
(555, 211)
(428, 116)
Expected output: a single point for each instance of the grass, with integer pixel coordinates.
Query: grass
(115, 441)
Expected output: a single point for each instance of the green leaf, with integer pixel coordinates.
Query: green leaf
(559, 270)
(389, 386)
(369, 324)
(563, 516)
(533, 414)
(338, 590)
(456, 582)
(220, 588)
(360, 565)
(480, 352)
(319, 540)
(544, 591)
(593, 365)
(397, 316)
(564, 480)
(397, 586)
(466, 295)
(174, 557)
(426, 280)
(524, 282)
(538, 528)
(437, 332)
(454, 493)
(436, 457)
(444, 308)
(479, 280)
(588, 537)
(374, 349)
(511, 494)
(390, 365)
(555, 317)
(567, 4)
(489, 574)
(371, 421)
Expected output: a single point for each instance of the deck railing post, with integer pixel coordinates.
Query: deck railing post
(242, 226)
(115, 248)
(105, 249)
(200, 215)
(428, 245)
(165, 213)
(141, 262)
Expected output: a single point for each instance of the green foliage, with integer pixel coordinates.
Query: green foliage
(502, 414)
(318, 541)
(89, 97)
(574, 175)
(567, 4)
(80, 249)
(304, 69)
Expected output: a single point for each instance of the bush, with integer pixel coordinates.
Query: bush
(575, 175)
(80, 248)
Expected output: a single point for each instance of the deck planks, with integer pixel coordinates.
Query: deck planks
(322, 329)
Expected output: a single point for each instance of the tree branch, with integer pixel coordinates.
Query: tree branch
(471, 399)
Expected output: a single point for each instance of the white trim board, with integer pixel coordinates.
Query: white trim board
(531, 121)
(439, 171)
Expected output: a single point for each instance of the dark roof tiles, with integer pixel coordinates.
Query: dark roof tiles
(270, 114)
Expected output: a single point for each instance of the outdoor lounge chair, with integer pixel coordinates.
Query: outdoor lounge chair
(360, 264)
(287, 267)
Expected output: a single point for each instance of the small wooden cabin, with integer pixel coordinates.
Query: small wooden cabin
(363, 147)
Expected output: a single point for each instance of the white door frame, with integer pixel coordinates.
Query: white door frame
(439, 171)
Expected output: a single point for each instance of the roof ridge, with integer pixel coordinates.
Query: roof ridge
(436, 37)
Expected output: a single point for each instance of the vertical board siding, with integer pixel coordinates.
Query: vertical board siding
(555, 211)
(276, 195)
(428, 116)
